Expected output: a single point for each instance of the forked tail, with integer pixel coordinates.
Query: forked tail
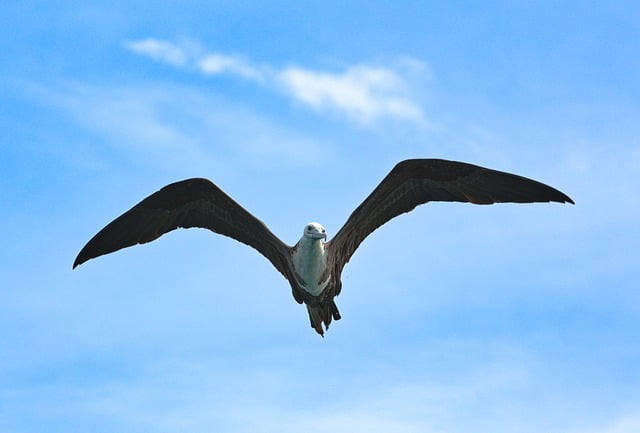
(323, 312)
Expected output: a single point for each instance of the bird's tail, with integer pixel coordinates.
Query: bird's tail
(321, 313)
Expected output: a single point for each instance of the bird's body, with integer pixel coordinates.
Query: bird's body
(310, 259)
(314, 267)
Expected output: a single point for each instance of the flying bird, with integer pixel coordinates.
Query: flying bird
(314, 266)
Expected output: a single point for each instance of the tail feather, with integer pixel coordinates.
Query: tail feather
(322, 313)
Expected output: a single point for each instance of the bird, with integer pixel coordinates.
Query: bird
(313, 266)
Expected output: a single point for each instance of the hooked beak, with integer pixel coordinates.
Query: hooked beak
(320, 236)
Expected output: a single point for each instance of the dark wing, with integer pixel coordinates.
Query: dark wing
(416, 181)
(189, 203)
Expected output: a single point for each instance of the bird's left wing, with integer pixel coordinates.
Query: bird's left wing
(416, 181)
(188, 203)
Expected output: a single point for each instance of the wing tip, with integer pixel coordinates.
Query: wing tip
(78, 261)
(562, 198)
(82, 258)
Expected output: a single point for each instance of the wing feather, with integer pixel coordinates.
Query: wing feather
(185, 204)
(416, 181)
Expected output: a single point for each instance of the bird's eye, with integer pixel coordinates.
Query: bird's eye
(309, 227)
(324, 231)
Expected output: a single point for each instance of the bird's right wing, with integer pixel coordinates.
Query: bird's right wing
(189, 203)
(416, 181)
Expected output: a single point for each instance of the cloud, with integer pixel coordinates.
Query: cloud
(213, 64)
(363, 93)
(629, 423)
(229, 394)
(161, 51)
(175, 126)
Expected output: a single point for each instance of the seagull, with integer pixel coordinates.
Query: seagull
(313, 266)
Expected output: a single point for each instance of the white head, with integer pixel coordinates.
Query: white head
(314, 231)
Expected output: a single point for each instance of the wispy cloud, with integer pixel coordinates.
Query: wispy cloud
(182, 395)
(161, 51)
(215, 63)
(363, 93)
(629, 423)
(178, 127)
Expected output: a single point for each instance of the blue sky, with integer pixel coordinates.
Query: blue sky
(456, 318)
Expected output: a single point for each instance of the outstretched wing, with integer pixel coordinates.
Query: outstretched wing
(189, 203)
(416, 181)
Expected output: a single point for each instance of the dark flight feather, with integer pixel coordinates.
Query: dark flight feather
(189, 203)
(417, 181)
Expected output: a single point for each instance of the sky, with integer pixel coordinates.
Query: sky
(455, 318)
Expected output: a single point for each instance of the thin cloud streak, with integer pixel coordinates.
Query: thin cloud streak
(159, 124)
(215, 63)
(625, 424)
(362, 93)
(161, 51)
(188, 395)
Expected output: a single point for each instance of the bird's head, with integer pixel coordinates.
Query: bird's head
(315, 231)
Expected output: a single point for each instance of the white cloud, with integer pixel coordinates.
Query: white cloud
(162, 51)
(363, 93)
(213, 64)
(172, 126)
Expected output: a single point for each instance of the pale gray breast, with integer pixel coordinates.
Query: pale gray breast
(310, 262)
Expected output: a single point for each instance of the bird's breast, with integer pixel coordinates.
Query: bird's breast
(310, 262)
